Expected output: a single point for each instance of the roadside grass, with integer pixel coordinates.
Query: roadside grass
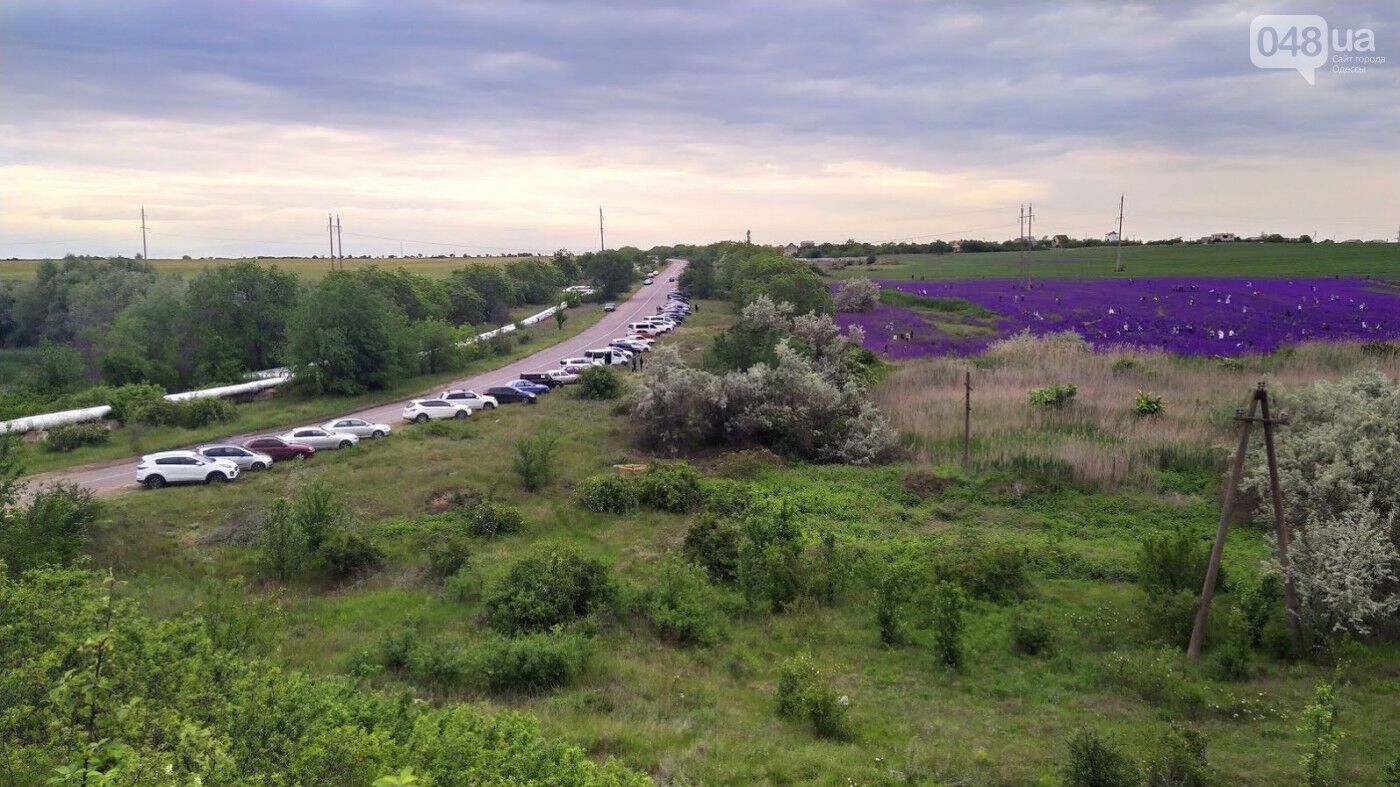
(290, 409)
(1219, 260)
(308, 270)
(706, 715)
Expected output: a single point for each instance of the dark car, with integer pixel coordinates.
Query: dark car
(280, 450)
(610, 307)
(541, 378)
(505, 395)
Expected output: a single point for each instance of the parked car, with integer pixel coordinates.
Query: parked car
(542, 378)
(576, 365)
(529, 387)
(357, 426)
(647, 282)
(424, 410)
(279, 449)
(471, 399)
(610, 307)
(507, 395)
(246, 459)
(563, 376)
(673, 278)
(629, 345)
(321, 439)
(183, 467)
(609, 355)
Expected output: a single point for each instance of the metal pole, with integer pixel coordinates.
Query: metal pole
(1118, 244)
(330, 233)
(339, 242)
(1198, 630)
(1290, 594)
(967, 419)
(601, 245)
(145, 255)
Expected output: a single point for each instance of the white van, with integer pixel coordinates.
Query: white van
(614, 356)
(640, 327)
(576, 365)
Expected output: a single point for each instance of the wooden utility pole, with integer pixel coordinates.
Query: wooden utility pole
(967, 420)
(145, 255)
(340, 243)
(330, 233)
(602, 246)
(1118, 241)
(1258, 403)
(1030, 234)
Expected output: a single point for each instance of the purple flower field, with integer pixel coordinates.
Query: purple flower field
(1177, 315)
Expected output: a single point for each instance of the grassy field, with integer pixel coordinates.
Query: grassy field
(706, 715)
(307, 269)
(290, 409)
(1214, 260)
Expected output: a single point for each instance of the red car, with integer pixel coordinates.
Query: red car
(280, 450)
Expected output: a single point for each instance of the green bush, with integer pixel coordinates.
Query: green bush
(48, 531)
(127, 401)
(1148, 404)
(724, 497)
(1096, 761)
(770, 569)
(62, 439)
(488, 518)
(347, 553)
(1179, 760)
(548, 588)
(672, 486)
(1052, 397)
(1322, 739)
(534, 461)
(683, 606)
(1031, 633)
(599, 382)
(609, 493)
(1169, 616)
(946, 602)
(188, 414)
(448, 553)
(283, 551)
(533, 662)
(891, 590)
(990, 571)
(1155, 676)
(712, 543)
(1173, 560)
(805, 694)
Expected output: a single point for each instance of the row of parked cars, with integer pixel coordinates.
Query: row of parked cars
(223, 462)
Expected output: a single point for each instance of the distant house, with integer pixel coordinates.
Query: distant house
(790, 250)
(957, 246)
(1223, 237)
(1059, 241)
(1112, 237)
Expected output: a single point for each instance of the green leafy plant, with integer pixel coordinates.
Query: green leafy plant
(548, 588)
(1096, 761)
(712, 542)
(805, 694)
(1031, 633)
(1148, 404)
(534, 461)
(609, 493)
(946, 602)
(488, 518)
(1052, 397)
(672, 486)
(61, 439)
(1322, 738)
(683, 606)
(599, 382)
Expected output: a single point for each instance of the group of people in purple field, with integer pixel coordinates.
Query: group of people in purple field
(1177, 315)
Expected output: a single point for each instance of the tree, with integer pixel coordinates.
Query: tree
(346, 338)
(560, 316)
(568, 268)
(536, 281)
(239, 313)
(858, 295)
(612, 272)
(61, 369)
(698, 278)
(492, 284)
(437, 342)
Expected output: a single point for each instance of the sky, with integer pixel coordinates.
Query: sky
(482, 127)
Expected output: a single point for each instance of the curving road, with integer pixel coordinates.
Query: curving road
(120, 475)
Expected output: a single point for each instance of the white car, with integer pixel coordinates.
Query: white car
(563, 376)
(423, 410)
(647, 282)
(629, 345)
(245, 459)
(319, 438)
(576, 365)
(183, 467)
(471, 399)
(357, 426)
(609, 355)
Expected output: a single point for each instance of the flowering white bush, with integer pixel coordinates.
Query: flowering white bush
(858, 295)
(1339, 466)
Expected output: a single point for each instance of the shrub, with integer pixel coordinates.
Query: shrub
(995, 571)
(1124, 364)
(724, 497)
(128, 400)
(609, 493)
(1031, 633)
(1172, 561)
(683, 606)
(188, 414)
(1096, 761)
(1318, 726)
(396, 647)
(1052, 397)
(891, 590)
(712, 543)
(534, 461)
(599, 382)
(805, 694)
(448, 553)
(1179, 760)
(1148, 404)
(1230, 660)
(1155, 677)
(1379, 349)
(770, 570)
(545, 589)
(62, 439)
(924, 483)
(49, 531)
(946, 602)
(533, 662)
(487, 518)
(672, 486)
(282, 547)
(1169, 616)
(1390, 776)
(347, 553)
(858, 295)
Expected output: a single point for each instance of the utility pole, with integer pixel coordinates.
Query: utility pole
(330, 233)
(1030, 223)
(145, 255)
(1118, 243)
(601, 245)
(339, 242)
(748, 237)
(967, 420)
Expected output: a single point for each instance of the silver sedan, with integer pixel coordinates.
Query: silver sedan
(244, 458)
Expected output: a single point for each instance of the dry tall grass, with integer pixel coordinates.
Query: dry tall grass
(1097, 438)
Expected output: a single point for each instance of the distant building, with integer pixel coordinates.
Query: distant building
(1112, 237)
(1223, 237)
(957, 246)
(790, 250)
(1059, 241)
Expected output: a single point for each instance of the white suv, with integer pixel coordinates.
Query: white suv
(423, 410)
(183, 467)
(472, 399)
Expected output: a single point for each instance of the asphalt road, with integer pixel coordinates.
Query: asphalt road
(120, 475)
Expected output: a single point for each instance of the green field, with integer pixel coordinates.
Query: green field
(1213, 260)
(705, 715)
(307, 269)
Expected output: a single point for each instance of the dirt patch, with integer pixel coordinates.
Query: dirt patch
(924, 483)
(238, 530)
(451, 499)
